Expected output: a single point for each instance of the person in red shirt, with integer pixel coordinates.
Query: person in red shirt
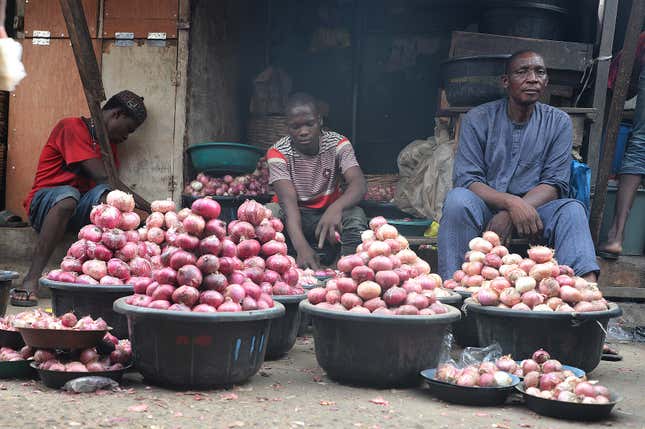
(71, 179)
(305, 170)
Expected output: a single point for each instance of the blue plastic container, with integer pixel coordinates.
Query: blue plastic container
(621, 143)
(634, 238)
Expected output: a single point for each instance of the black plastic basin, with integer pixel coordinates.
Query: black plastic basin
(465, 330)
(453, 299)
(94, 300)
(377, 350)
(284, 330)
(534, 19)
(185, 350)
(6, 278)
(474, 80)
(575, 338)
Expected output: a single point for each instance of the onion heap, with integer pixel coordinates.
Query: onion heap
(87, 360)
(545, 378)
(207, 266)
(254, 184)
(384, 276)
(110, 250)
(484, 375)
(537, 283)
(38, 319)
(380, 192)
(8, 354)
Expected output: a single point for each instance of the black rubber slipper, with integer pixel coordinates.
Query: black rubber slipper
(11, 220)
(26, 302)
(610, 354)
(608, 255)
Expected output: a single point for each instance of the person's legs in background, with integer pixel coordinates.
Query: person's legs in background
(463, 218)
(354, 222)
(630, 176)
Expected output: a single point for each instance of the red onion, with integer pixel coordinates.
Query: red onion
(278, 263)
(570, 294)
(107, 216)
(240, 230)
(291, 277)
(418, 300)
(280, 237)
(90, 233)
(255, 261)
(333, 296)
(237, 277)
(526, 265)
(127, 252)
(540, 356)
(274, 247)
(551, 365)
(84, 279)
(491, 237)
(347, 263)
(235, 292)
(165, 275)
(180, 258)
(229, 306)
(281, 288)
(541, 271)
(186, 241)
(208, 263)
(510, 297)
(70, 263)
(583, 307)
(155, 220)
(377, 222)
(193, 224)
(500, 251)
(540, 254)
(94, 268)
(350, 300)
(265, 232)
(394, 296)
(179, 307)
(110, 281)
(152, 249)
(204, 308)
(486, 296)
(248, 248)
(493, 260)
(114, 239)
(129, 221)
(506, 364)
(211, 297)
(368, 290)
(207, 207)
(532, 298)
(162, 293)
(186, 295)
(140, 284)
(171, 220)
(119, 199)
(270, 276)
(407, 310)
(489, 273)
(476, 256)
(216, 227)
(380, 263)
(549, 287)
(378, 248)
(374, 304)
(253, 212)
(521, 307)
(362, 273)
(525, 284)
(156, 235)
(226, 265)
(119, 269)
(480, 244)
(276, 224)
(387, 279)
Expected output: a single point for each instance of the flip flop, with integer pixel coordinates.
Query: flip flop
(608, 255)
(11, 220)
(27, 302)
(609, 354)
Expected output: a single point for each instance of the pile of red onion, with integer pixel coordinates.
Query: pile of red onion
(485, 374)
(379, 192)
(87, 360)
(538, 283)
(8, 354)
(254, 184)
(110, 250)
(384, 276)
(38, 319)
(545, 377)
(207, 266)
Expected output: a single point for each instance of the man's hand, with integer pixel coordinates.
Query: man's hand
(526, 219)
(329, 223)
(307, 258)
(502, 224)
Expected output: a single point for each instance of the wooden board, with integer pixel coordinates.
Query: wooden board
(140, 17)
(45, 15)
(557, 55)
(38, 103)
(148, 154)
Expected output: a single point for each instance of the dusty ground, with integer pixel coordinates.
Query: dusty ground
(292, 393)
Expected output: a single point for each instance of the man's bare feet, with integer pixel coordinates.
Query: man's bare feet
(613, 247)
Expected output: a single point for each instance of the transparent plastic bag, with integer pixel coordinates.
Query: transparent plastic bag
(90, 384)
(477, 355)
(616, 333)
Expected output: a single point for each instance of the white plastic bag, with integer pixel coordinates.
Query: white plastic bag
(11, 69)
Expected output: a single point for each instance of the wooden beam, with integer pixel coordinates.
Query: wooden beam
(634, 24)
(90, 74)
(606, 30)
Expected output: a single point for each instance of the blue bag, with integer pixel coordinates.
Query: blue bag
(580, 184)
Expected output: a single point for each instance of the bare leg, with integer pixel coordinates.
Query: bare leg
(627, 187)
(50, 235)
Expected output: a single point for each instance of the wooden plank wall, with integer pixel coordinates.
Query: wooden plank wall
(46, 15)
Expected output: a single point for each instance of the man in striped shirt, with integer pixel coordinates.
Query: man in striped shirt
(305, 170)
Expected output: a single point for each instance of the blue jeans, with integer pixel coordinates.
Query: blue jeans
(634, 157)
(46, 198)
(465, 216)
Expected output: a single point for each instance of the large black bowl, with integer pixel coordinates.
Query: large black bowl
(575, 338)
(197, 350)
(478, 396)
(377, 350)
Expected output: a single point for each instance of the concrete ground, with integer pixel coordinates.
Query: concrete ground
(294, 392)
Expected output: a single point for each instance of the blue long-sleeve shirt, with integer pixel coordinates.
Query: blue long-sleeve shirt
(514, 158)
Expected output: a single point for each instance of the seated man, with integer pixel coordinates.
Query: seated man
(71, 179)
(305, 170)
(511, 175)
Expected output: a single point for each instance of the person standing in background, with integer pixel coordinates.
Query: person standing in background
(632, 169)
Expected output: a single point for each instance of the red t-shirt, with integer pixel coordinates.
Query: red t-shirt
(69, 143)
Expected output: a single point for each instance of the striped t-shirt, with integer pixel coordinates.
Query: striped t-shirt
(316, 178)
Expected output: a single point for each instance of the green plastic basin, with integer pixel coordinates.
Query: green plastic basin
(412, 227)
(224, 158)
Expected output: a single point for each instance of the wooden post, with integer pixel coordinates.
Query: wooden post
(615, 112)
(606, 30)
(90, 74)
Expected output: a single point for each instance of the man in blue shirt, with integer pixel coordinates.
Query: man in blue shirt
(511, 175)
